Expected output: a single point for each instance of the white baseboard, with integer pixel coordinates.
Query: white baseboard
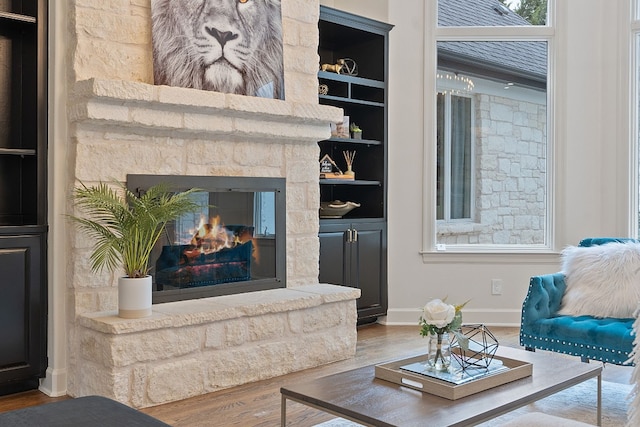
(489, 317)
(55, 383)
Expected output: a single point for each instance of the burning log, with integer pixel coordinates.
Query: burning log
(216, 254)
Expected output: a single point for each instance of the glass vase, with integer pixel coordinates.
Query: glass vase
(439, 352)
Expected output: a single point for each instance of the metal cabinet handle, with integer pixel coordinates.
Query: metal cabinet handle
(349, 235)
(355, 236)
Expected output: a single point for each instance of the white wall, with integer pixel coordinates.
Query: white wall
(590, 188)
(374, 9)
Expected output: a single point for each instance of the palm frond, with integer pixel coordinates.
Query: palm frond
(125, 227)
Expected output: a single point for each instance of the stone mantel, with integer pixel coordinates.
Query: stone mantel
(169, 110)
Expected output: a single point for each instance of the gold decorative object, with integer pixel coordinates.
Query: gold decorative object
(342, 66)
(323, 89)
(336, 68)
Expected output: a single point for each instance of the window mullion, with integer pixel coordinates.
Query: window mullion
(447, 157)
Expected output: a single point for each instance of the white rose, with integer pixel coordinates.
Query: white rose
(438, 313)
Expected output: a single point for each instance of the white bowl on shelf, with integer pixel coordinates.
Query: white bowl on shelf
(336, 208)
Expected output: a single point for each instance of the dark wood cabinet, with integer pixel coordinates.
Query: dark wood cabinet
(23, 197)
(23, 311)
(355, 254)
(353, 248)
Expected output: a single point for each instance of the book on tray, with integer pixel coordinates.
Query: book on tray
(455, 374)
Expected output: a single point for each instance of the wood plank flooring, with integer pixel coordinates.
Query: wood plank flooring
(258, 404)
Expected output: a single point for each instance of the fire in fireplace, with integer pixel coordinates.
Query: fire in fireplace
(216, 254)
(234, 244)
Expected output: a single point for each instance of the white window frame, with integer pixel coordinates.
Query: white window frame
(634, 126)
(434, 34)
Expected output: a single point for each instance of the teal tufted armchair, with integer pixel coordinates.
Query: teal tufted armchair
(608, 340)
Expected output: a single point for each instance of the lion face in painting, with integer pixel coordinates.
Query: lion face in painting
(231, 46)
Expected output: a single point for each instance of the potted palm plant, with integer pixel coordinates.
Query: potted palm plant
(124, 228)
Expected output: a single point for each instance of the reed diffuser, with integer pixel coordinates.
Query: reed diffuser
(348, 157)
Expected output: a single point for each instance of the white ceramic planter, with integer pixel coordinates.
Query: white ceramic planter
(134, 297)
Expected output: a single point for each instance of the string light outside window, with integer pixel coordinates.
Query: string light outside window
(453, 83)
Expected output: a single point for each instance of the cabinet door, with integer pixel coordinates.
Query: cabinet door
(22, 309)
(355, 255)
(368, 268)
(334, 254)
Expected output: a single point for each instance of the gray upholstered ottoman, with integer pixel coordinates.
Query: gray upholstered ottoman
(93, 411)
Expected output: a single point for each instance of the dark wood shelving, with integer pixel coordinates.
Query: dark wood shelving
(348, 182)
(23, 195)
(17, 152)
(351, 79)
(17, 17)
(352, 141)
(350, 246)
(355, 101)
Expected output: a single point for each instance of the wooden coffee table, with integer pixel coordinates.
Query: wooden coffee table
(358, 396)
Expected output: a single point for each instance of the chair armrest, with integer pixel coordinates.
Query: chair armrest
(543, 298)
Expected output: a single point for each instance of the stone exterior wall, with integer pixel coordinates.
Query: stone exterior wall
(119, 124)
(510, 167)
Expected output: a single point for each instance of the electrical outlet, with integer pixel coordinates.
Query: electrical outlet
(496, 286)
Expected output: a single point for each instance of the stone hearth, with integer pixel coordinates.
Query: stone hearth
(189, 348)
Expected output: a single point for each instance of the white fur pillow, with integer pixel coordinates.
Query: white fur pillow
(602, 281)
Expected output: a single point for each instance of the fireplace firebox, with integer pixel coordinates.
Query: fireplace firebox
(234, 243)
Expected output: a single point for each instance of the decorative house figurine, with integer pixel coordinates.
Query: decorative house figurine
(326, 164)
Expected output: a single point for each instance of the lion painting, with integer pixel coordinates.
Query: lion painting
(231, 46)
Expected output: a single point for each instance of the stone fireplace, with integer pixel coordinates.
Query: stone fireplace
(120, 124)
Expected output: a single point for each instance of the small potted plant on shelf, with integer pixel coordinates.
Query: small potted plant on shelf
(124, 228)
(356, 132)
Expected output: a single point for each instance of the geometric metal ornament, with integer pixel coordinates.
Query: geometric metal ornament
(482, 346)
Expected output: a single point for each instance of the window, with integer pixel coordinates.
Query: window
(454, 160)
(490, 144)
(265, 214)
